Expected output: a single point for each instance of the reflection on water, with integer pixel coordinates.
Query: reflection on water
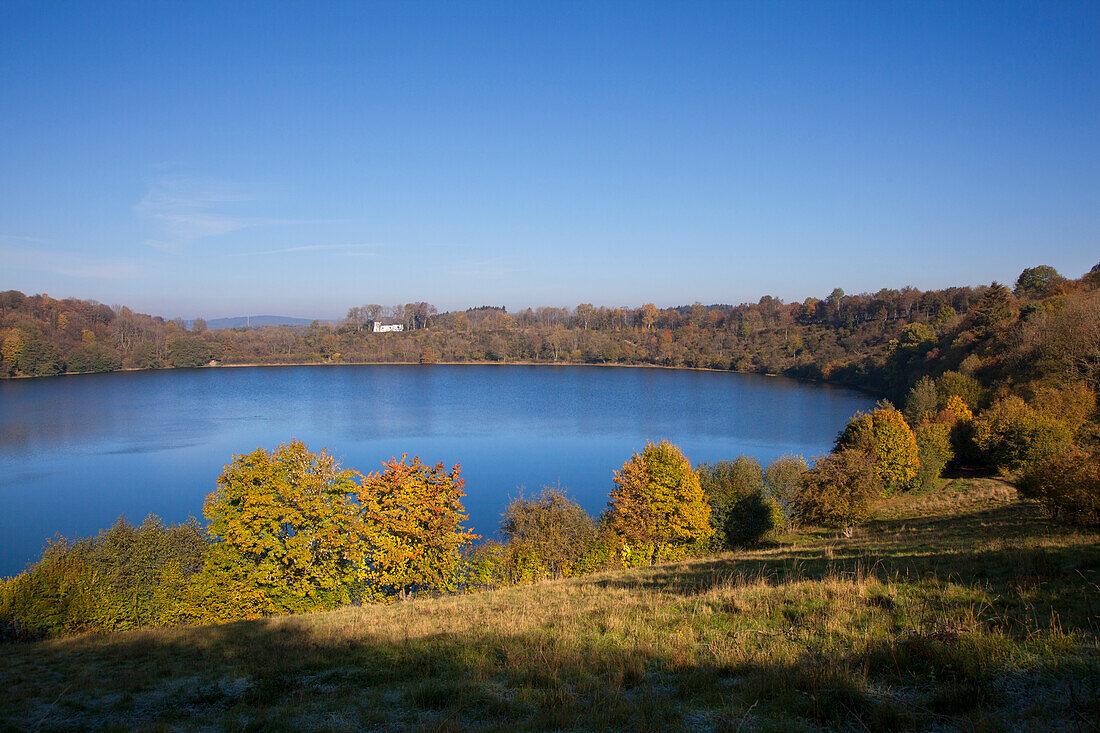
(77, 452)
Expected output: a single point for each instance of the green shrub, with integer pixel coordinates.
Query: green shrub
(603, 554)
(484, 567)
(838, 490)
(782, 482)
(741, 512)
(934, 448)
(750, 519)
(923, 401)
(547, 535)
(52, 597)
(124, 578)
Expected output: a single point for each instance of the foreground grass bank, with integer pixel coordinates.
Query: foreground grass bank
(959, 610)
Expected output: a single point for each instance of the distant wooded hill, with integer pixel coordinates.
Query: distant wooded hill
(215, 324)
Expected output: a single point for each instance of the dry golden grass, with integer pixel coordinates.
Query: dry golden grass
(960, 610)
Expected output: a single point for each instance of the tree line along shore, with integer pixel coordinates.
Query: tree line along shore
(882, 342)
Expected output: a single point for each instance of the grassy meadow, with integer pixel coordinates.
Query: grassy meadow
(960, 609)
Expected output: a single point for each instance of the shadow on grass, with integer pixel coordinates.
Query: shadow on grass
(1005, 522)
(281, 675)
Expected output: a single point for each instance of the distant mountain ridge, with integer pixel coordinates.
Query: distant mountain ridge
(255, 321)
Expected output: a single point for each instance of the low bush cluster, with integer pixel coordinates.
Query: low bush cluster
(291, 531)
(126, 577)
(550, 536)
(747, 502)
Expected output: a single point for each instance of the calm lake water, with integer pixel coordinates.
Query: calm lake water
(77, 452)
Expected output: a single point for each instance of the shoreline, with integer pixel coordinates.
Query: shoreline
(804, 380)
(481, 363)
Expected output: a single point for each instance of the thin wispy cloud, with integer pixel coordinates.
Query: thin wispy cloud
(351, 250)
(186, 209)
(19, 238)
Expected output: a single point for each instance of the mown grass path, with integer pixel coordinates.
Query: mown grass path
(959, 610)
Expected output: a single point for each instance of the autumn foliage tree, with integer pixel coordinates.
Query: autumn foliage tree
(838, 490)
(958, 409)
(1011, 433)
(886, 438)
(657, 506)
(412, 519)
(286, 531)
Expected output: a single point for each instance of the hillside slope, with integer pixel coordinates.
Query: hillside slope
(958, 610)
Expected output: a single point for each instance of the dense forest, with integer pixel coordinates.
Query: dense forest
(881, 342)
(988, 381)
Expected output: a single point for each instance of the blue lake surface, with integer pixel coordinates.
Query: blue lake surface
(77, 452)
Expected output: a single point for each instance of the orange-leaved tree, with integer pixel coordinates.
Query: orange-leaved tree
(412, 519)
(286, 534)
(658, 507)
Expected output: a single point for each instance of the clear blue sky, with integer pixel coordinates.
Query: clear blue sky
(212, 159)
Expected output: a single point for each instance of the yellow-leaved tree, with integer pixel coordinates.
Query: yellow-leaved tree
(885, 437)
(657, 506)
(11, 348)
(1011, 434)
(412, 519)
(958, 407)
(286, 535)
